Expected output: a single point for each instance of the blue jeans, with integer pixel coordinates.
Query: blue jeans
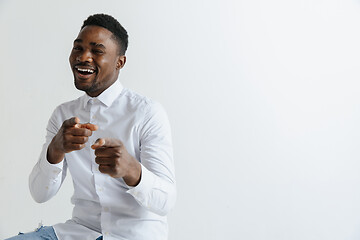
(42, 233)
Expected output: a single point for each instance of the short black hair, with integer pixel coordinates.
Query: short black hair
(110, 23)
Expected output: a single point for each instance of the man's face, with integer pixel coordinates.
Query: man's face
(94, 60)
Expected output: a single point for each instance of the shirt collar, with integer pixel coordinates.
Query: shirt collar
(108, 96)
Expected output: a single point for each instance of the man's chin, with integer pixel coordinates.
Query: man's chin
(82, 86)
(90, 89)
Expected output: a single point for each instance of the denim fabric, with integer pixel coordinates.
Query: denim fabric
(42, 233)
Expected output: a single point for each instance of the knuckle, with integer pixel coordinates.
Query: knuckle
(88, 131)
(117, 152)
(97, 151)
(85, 132)
(66, 131)
(78, 146)
(97, 160)
(102, 168)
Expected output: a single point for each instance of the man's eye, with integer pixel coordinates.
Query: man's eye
(98, 51)
(76, 48)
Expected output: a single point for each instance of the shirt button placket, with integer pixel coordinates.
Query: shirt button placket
(105, 221)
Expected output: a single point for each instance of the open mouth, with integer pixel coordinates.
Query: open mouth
(84, 71)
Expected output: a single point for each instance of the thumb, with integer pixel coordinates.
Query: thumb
(98, 143)
(71, 122)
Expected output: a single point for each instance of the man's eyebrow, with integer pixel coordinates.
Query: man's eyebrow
(97, 45)
(92, 43)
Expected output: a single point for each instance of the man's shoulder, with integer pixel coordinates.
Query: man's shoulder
(145, 106)
(137, 101)
(135, 97)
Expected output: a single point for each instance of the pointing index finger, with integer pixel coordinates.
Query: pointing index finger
(89, 126)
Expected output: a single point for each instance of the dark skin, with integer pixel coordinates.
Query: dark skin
(95, 62)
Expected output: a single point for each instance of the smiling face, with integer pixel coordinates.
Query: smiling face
(95, 60)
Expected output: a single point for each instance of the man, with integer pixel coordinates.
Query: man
(115, 143)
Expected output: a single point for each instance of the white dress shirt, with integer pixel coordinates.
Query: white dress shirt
(104, 205)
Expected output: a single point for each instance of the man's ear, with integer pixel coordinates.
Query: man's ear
(120, 62)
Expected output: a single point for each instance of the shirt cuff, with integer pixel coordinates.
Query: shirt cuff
(51, 170)
(140, 192)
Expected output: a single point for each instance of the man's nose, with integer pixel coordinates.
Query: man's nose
(84, 57)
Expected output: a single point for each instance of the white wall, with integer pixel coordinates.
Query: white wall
(263, 97)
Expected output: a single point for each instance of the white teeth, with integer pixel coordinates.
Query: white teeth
(85, 70)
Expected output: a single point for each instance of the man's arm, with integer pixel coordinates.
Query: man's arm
(157, 188)
(151, 182)
(48, 174)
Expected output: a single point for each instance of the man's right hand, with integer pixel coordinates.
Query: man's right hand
(71, 136)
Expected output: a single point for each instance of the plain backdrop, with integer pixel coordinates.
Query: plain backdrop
(263, 98)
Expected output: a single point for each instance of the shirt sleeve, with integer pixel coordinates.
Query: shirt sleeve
(45, 179)
(157, 188)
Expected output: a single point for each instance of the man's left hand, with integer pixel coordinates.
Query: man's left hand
(114, 160)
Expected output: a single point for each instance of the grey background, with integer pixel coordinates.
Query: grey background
(263, 98)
